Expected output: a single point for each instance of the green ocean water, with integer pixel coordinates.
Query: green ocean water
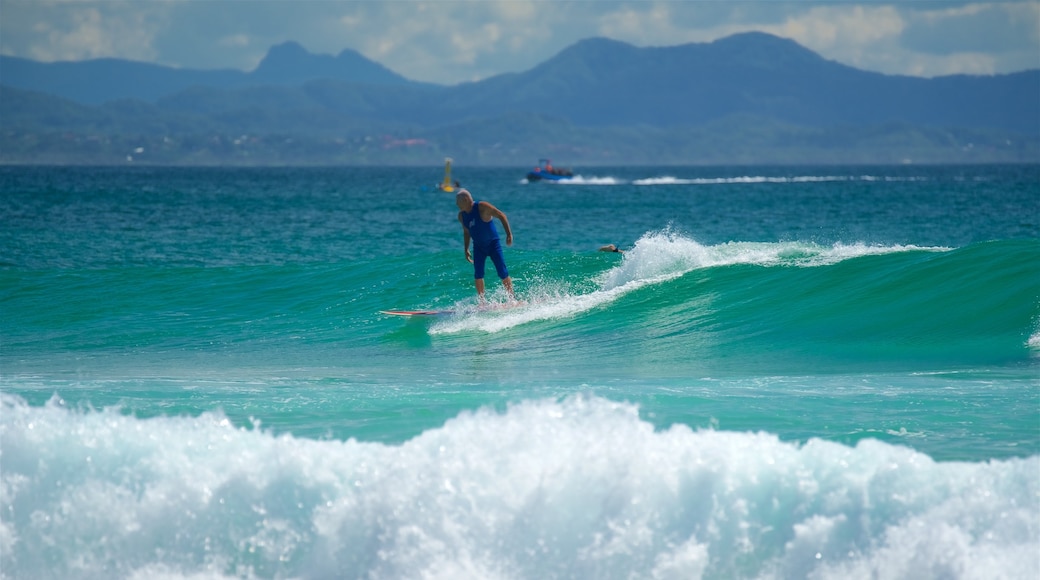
(790, 372)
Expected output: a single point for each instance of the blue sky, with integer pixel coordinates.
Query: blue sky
(450, 41)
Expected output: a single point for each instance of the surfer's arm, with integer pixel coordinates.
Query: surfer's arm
(494, 212)
(465, 239)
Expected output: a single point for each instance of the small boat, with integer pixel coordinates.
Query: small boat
(546, 172)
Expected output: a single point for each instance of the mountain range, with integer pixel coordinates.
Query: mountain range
(747, 98)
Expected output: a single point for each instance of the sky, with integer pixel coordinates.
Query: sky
(453, 41)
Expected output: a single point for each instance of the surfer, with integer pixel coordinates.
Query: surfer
(611, 248)
(477, 219)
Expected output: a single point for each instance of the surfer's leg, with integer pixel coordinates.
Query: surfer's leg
(480, 256)
(498, 259)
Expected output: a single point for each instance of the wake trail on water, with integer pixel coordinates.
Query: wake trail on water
(750, 179)
(743, 180)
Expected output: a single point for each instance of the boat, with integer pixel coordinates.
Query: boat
(546, 172)
(447, 185)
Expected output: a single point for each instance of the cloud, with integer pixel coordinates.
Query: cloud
(974, 38)
(860, 36)
(454, 41)
(238, 34)
(53, 31)
(844, 29)
(991, 28)
(235, 40)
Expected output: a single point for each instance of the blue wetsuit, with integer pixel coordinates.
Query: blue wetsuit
(486, 243)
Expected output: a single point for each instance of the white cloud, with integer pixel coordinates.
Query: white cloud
(843, 29)
(961, 63)
(632, 25)
(235, 40)
(82, 31)
(853, 35)
(991, 28)
(453, 41)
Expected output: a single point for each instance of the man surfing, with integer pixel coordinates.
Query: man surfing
(477, 219)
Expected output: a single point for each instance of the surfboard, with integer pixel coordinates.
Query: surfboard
(417, 312)
(491, 307)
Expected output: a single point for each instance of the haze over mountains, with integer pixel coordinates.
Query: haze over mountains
(748, 98)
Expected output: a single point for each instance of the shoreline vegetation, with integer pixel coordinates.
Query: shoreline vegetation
(741, 145)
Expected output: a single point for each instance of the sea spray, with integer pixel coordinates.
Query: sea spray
(577, 487)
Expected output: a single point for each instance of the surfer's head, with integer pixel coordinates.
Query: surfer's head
(464, 200)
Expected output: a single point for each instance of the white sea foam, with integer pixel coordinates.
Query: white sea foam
(665, 254)
(579, 487)
(658, 257)
(539, 305)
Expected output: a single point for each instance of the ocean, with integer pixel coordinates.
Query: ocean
(790, 372)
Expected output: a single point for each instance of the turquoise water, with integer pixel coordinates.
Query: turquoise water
(791, 372)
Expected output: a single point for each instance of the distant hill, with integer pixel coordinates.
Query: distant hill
(602, 82)
(289, 64)
(746, 98)
(96, 81)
